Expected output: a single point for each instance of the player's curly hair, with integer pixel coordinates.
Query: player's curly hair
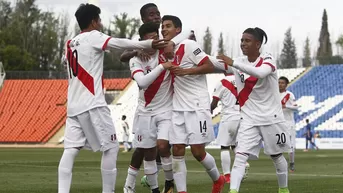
(85, 14)
(258, 33)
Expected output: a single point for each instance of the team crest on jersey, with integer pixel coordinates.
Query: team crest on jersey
(177, 59)
(113, 137)
(197, 52)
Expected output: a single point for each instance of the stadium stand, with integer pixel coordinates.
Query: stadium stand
(320, 96)
(32, 111)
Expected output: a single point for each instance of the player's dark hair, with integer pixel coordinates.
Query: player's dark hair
(176, 21)
(146, 28)
(258, 33)
(284, 78)
(145, 7)
(85, 14)
(123, 117)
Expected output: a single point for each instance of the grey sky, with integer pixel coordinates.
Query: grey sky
(232, 17)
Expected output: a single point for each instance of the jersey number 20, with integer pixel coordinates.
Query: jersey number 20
(73, 63)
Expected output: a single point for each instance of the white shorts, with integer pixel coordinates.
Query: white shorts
(191, 127)
(148, 129)
(125, 138)
(275, 137)
(227, 132)
(93, 129)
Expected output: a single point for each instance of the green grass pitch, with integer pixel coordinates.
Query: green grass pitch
(35, 171)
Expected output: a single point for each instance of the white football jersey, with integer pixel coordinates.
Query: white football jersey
(288, 99)
(190, 92)
(158, 97)
(85, 56)
(259, 98)
(226, 92)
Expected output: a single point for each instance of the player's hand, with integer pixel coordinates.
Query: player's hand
(159, 44)
(177, 71)
(283, 106)
(167, 65)
(169, 50)
(143, 55)
(225, 59)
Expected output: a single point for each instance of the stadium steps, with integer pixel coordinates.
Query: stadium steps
(33, 111)
(129, 84)
(299, 76)
(58, 137)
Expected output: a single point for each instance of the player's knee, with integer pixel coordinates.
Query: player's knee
(225, 147)
(198, 152)
(163, 149)
(179, 150)
(240, 159)
(150, 154)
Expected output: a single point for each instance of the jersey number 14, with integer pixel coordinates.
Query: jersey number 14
(73, 64)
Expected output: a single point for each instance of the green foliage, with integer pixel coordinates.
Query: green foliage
(29, 37)
(289, 51)
(221, 49)
(307, 54)
(124, 27)
(207, 44)
(324, 52)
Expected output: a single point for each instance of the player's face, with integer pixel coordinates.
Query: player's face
(169, 31)
(152, 14)
(282, 85)
(249, 45)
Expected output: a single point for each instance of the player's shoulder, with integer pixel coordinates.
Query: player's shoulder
(267, 56)
(290, 93)
(189, 43)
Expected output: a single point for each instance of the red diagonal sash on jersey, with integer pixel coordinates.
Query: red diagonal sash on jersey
(178, 57)
(151, 91)
(85, 78)
(250, 82)
(285, 99)
(227, 84)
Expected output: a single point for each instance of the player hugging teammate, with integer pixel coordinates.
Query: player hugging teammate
(173, 106)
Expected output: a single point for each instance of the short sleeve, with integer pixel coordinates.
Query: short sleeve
(218, 91)
(135, 66)
(268, 60)
(99, 40)
(195, 53)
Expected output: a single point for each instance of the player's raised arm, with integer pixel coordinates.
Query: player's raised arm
(257, 71)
